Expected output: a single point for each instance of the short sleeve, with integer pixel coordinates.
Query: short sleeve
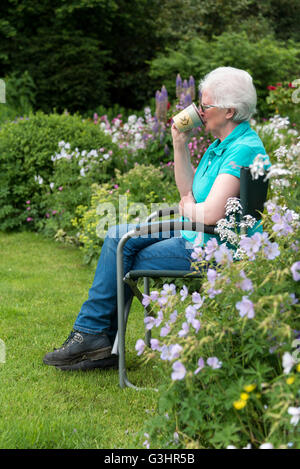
(238, 156)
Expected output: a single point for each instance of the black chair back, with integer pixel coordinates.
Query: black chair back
(253, 193)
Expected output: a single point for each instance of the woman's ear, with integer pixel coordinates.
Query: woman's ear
(230, 113)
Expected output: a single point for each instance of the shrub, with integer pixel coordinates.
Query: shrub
(138, 190)
(267, 60)
(26, 168)
(283, 99)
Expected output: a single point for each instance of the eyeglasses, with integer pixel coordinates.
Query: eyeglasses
(203, 107)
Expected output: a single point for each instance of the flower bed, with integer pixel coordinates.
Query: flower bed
(231, 345)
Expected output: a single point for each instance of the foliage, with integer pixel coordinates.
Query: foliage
(81, 52)
(20, 97)
(267, 60)
(26, 148)
(135, 195)
(86, 53)
(230, 345)
(283, 99)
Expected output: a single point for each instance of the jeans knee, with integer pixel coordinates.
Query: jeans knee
(117, 231)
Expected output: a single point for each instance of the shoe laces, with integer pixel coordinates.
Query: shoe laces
(73, 337)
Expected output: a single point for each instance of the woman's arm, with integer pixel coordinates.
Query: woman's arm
(213, 209)
(184, 173)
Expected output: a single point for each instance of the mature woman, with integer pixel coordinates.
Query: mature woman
(227, 104)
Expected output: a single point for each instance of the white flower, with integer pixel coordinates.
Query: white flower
(295, 413)
(39, 179)
(287, 362)
(259, 165)
(233, 205)
(266, 446)
(132, 119)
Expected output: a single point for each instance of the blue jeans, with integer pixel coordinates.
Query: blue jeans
(154, 252)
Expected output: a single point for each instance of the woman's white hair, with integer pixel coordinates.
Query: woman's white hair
(231, 88)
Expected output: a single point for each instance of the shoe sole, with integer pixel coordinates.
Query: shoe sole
(94, 355)
(87, 365)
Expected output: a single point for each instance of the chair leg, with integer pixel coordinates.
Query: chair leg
(147, 291)
(119, 344)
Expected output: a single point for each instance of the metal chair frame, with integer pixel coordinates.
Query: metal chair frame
(253, 194)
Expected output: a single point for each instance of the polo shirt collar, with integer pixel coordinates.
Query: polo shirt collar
(218, 147)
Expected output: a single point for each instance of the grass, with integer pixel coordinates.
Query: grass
(42, 287)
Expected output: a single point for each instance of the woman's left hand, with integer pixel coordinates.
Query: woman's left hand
(186, 204)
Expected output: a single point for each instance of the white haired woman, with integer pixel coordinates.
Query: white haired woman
(228, 102)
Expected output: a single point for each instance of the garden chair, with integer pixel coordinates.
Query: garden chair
(253, 194)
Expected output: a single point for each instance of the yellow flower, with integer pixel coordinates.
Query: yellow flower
(240, 404)
(250, 387)
(244, 396)
(298, 368)
(290, 380)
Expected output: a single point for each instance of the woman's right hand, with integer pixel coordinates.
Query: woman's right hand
(180, 138)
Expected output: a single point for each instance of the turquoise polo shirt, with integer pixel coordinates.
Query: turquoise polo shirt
(238, 149)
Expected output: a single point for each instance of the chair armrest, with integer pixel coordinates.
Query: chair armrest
(163, 212)
(173, 225)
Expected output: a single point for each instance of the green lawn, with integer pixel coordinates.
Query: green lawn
(42, 286)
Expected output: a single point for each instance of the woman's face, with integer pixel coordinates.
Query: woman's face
(214, 118)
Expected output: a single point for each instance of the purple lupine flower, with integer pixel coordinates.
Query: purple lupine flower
(295, 269)
(245, 307)
(191, 81)
(201, 365)
(187, 99)
(178, 81)
(140, 346)
(214, 363)
(179, 371)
